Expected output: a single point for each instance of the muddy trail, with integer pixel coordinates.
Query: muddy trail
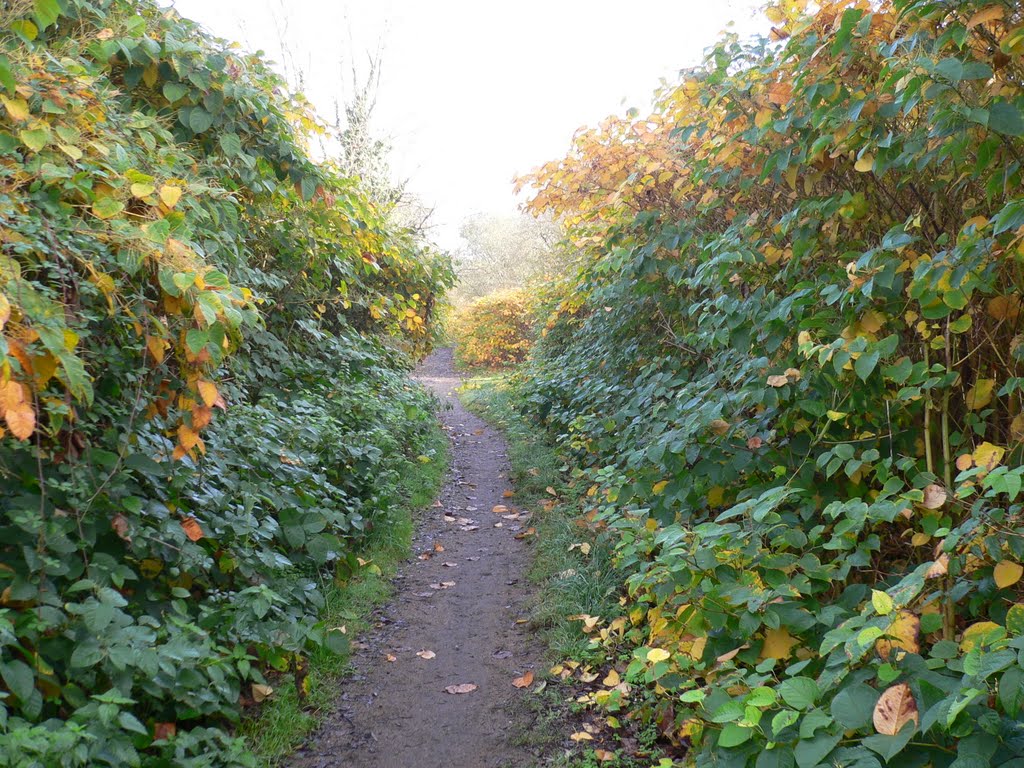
(459, 596)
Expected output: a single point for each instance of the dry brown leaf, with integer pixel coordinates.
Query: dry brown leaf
(581, 736)
(390, 658)
(120, 525)
(985, 15)
(438, 547)
(531, 531)
(499, 509)
(777, 381)
(524, 681)
(164, 731)
(939, 568)
(895, 708)
(460, 688)
(508, 494)
(603, 755)
(192, 529)
(261, 692)
(426, 654)
(934, 496)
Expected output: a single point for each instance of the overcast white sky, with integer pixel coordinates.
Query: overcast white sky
(475, 91)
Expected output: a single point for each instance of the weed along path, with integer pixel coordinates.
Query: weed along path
(436, 678)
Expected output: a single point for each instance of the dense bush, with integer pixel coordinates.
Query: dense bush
(202, 381)
(789, 368)
(494, 331)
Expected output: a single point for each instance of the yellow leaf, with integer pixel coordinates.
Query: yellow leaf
(895, 708)
(142, 190)
(872, 321)
(881, 602)
(985, 15)
(975, 633)
(980, 394)
(156, 348)
(716, 496)
(1007, 573)
(778, 644)
(16, 108)
(187, 437)
(169, 195)
(919, 539)
(987, 455)
(655, 655)
(719, 426)
(208, 391)
(611, 679)
(5, 311)
(865, 163)
(659, 487)
(902, 634)
(835, 415)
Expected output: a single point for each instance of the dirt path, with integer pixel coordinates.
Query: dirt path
(396, 714)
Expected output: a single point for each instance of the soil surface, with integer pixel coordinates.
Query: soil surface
(463, 604)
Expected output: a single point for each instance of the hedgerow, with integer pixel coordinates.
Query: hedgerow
(202, 384)
(495, 330)
(789, 370)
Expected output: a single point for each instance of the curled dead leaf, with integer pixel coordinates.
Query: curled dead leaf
(426, 654)
(460, 688)
(261, 692)
(938, 568)
(934, 496)
(192, 529)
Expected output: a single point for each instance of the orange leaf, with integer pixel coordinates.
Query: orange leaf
(525, 681)
(192, 529)
(164, 731)
(21, 420)
(460, 688)
(188, 437)
(208, 391)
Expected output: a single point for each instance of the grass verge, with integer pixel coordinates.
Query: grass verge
(284, 721)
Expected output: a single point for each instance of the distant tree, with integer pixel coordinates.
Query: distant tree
(503, 253)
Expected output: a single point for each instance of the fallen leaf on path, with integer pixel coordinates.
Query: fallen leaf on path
(525, 681)
(502, 654)
(581, 736)
(499, 509)
(449, 565)
(468, 528)
(437, 504)
(390, 658)
(508, 494)
(447, 584)
(460, 688)
(438, 548)
(478, 431)
(426, 654)
(449, 519)
(474, 558)
(531, 531)
(498, 525)
(425, 555)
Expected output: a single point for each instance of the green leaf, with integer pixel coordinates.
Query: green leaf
(47, 12)
(810, 752)
(196, 339)
(733, 735)
(174, 91)
(1005, 118)
(852, 707)
(6, 77)
(19, 678)
(107, 207)
(199, 120)
(799, 692)
(866, 364)
(35, 139)
(882, 602)
(780, 756)
(230, 144)
(888, 746)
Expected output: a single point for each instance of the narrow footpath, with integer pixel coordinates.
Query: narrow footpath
(456, 622)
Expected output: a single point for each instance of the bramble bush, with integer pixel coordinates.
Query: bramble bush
(494, 331)
(204, 339)
(788, 369)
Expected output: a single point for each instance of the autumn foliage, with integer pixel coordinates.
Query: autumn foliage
(789, 374)
(494, 331)
(203, 338)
